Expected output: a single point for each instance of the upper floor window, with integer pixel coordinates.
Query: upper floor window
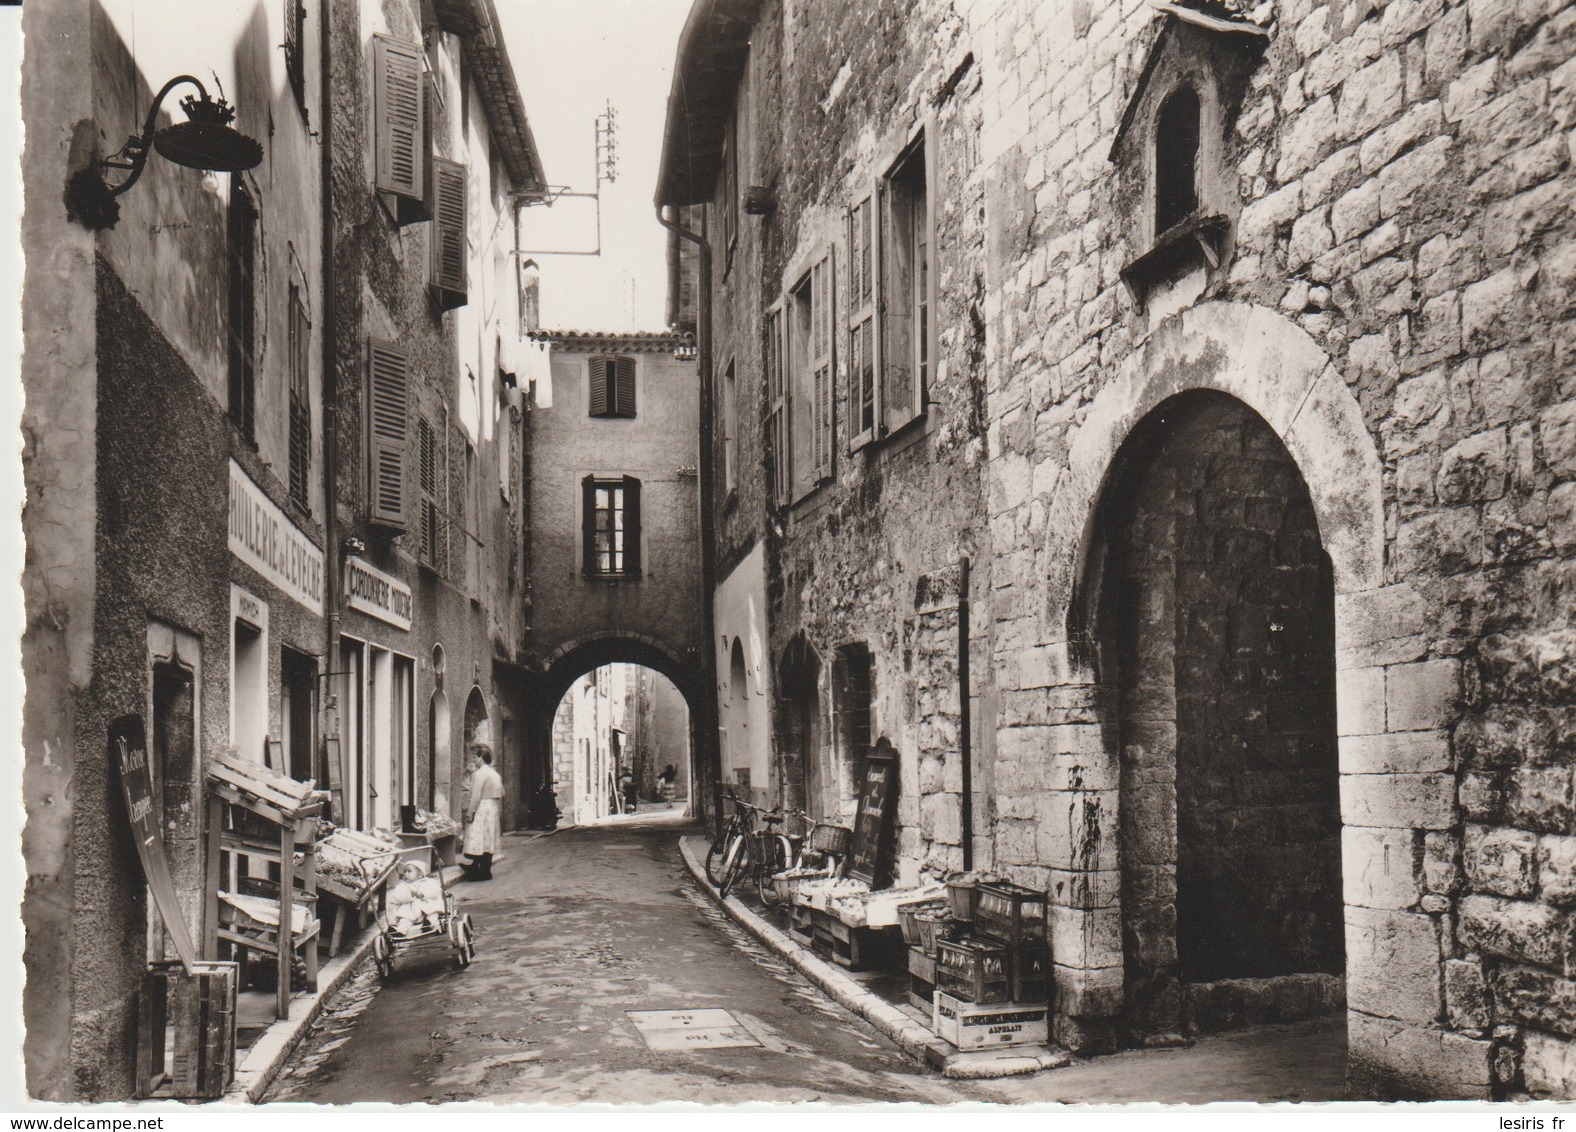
(612, 387)
(1176, 159)
(730, 428)
(402, 98)
(610, 527)
(891, 299)
(300, 400)
(241, 238)
(295, 49)
(809, 373)
(449, 242)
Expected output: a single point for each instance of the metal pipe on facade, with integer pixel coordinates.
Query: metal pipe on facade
(330, 381)
(965, 728)
(706, 732)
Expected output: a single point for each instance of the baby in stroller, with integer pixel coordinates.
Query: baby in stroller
(416, 902)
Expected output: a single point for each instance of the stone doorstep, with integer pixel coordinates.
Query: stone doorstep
(261, 1064)
(902, 1024)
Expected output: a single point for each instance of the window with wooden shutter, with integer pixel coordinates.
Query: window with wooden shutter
(821, 364)
(300, 401)
(434, 537)
(400, 134)
(631, 566)
(448, 235)
(388, 371)
(778, 437)
(295, 57)
(864, 403)
(242, 240)
(907, 291)
(612, 386)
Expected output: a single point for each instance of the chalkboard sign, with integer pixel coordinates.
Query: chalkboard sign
(871, 857)
(128, 751)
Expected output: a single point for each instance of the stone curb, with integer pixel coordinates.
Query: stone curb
(262, 1063)
(915, 1040)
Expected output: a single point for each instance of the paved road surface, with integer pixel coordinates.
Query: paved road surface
(575, 930)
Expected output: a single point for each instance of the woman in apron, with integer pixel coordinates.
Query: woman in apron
(483, 797)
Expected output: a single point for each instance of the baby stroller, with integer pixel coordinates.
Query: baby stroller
(421, 924)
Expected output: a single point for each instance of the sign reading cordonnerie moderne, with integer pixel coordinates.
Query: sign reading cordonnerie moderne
(263, 537)
(377, 594)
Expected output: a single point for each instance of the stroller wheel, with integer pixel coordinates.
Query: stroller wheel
(382, 956)
(464, 942)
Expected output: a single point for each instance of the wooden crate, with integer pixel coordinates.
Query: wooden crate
(186, 1031)
(1029, 973)
(972, 969)
(975, 1026)
(1009, 913)
(857, 949)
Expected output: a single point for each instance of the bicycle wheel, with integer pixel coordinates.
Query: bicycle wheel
(717, 854)
(775, 860)
(735, 865)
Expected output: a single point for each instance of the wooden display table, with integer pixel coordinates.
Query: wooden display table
(353, 870)
(283, 822)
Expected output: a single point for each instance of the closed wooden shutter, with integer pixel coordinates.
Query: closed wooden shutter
(864, 408)
(400, 134)
(632, 564)
(821, 336)
(448, 233)
(597, 373)
(388, 398)
(624, 400)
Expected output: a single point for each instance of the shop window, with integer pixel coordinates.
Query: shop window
(300, 401)
(241, 233)
(611, 527)
(249, 692)
(851, 694)
(1176, 159)
(298, 715)
(612, 387)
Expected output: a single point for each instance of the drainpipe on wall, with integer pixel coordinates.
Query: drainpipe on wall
(965, 729)
(330, 389)
(706, 731)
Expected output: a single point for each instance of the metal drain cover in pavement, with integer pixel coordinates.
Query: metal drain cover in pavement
(690, 1029)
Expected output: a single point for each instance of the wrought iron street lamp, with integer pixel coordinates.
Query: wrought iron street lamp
(206, 141)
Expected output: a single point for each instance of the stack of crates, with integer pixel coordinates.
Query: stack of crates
(993, 982)
(923, 923)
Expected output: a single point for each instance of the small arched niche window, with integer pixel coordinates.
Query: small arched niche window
(1176, 159)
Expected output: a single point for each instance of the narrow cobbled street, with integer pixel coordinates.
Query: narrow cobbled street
(578, 929)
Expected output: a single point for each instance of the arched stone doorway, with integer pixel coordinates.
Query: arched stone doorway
(1215, 628)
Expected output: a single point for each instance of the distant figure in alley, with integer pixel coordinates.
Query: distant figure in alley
(482, 799)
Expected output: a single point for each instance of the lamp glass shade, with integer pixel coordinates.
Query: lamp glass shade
(207, 145)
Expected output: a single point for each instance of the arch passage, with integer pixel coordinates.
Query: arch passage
(1217, 617)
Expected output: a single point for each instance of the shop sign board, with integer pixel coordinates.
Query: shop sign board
(873, 820)
(263, 537)
(128, 751)
(377, 594)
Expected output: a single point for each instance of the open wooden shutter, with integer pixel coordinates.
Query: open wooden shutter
(588, 562)
(448, 233)
(388, 396)
(400, 134)
(624, 396)
(821, 336)
(597, 373)
(864, 402)
(778, 437)
(434, 541)
(632, 566)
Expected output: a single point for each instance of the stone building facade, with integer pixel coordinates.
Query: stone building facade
(205, 549)
(1248, 402)
(613, 530)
